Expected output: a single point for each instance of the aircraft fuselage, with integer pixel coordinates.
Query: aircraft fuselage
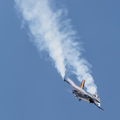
(85, 97)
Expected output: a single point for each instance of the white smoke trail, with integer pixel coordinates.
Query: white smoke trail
(57, 37)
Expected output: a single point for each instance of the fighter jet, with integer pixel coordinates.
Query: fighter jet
(80, 93)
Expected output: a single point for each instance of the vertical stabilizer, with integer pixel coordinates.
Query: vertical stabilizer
(82, 84)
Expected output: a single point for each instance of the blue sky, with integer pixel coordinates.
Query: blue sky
(30, 86)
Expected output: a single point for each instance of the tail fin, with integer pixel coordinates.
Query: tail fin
(82, 84)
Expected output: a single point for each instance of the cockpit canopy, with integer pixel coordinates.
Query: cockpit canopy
(95, 95)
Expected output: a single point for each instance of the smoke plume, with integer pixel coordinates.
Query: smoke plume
(53, 33)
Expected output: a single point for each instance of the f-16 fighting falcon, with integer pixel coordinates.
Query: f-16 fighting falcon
(80, 93)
